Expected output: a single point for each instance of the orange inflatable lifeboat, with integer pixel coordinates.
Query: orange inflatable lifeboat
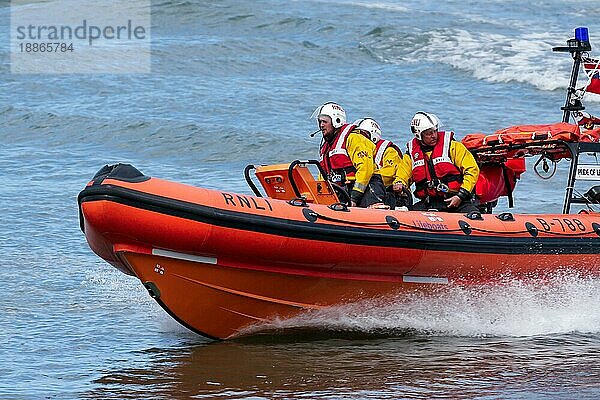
(221, 263)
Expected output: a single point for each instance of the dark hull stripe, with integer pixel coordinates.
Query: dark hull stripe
(342, 234)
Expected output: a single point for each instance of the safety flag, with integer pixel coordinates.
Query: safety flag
(591, 67)
(586, 120)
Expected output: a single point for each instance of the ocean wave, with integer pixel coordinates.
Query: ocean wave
(207, 143)
(385, 6)
(489, 57)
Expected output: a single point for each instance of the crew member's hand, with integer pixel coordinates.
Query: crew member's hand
(352, 204)
(397, 187)
(453, 201)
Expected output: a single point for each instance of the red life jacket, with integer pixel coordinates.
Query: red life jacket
(334, 156)
(380, 147)
(444, 169)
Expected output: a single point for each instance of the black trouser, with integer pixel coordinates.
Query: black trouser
(395, 199)
(438, 203)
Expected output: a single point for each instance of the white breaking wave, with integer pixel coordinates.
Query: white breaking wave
(498, 58)
(488, 56)
(366, 4)
(566, 304)
(378, 5)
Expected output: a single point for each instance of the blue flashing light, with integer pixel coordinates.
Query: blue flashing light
(582, 34)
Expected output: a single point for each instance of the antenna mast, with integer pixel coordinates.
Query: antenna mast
(576, 46)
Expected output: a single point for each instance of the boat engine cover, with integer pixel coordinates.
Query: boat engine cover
(593, 194)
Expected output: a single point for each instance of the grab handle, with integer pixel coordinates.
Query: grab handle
(247, 170)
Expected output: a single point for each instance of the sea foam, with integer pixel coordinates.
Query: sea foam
(566, 303)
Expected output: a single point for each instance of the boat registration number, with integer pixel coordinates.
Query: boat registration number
(565, 224)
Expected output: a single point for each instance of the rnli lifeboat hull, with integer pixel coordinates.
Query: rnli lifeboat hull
(222, 263)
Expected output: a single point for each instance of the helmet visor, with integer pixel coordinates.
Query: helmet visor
(316, 113)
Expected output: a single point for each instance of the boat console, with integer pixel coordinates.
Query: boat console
(295, 182)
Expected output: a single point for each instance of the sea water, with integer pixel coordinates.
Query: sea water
(233, 83)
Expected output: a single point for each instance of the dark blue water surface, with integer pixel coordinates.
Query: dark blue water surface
(234, 83)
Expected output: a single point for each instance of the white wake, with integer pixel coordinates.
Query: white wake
(565, 304)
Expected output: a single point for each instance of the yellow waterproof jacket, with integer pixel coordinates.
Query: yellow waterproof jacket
(460, 156)
(391, 164)
(361, 151)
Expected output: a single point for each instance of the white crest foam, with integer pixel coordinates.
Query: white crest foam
(487, 56)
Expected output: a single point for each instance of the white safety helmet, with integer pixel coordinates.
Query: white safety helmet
(370, 126)
(423, 121)
(333, 111)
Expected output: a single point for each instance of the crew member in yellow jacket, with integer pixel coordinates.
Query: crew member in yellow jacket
(347, 157)
(443, 170)
(388, 158)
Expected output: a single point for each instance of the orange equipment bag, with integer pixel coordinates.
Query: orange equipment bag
(498, 180)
